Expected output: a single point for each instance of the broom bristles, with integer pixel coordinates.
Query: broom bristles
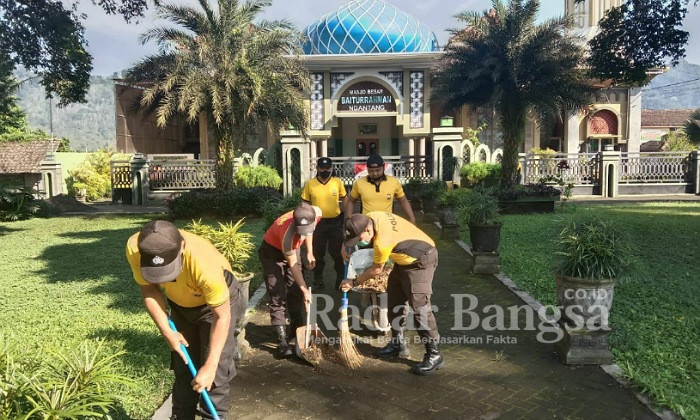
(349, 356)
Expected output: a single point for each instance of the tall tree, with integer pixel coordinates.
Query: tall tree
(636, 37)
(47, 38)
(504, 59)
(11, 115)
(241, 74)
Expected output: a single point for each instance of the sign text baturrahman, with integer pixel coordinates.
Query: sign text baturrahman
(366, 97)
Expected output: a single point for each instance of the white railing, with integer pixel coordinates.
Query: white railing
(575, 168)
(348, 169)
(655, 167)
(181, 174)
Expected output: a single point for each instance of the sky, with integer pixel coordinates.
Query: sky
(115, 44)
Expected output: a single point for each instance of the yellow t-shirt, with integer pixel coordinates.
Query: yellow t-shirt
(398, 239)
(202, 278)
(325, 196)
(377, 197)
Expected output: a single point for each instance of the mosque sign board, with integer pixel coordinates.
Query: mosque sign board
(367, 97)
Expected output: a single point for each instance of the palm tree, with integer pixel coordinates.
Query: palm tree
(504, 59)
(240, 74)
(692, 127)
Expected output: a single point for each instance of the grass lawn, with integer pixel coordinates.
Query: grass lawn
(656, 310)
(66, 279)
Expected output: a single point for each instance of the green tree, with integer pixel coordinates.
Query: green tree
(636, 37)
(241, 74)
(11, 116)
(692, 127)
(504, 59)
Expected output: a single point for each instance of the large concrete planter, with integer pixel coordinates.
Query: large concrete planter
(585, 306)
(485, 238)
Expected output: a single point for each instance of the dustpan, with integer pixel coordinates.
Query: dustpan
(307, 338)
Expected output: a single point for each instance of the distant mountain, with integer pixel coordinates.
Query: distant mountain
(92, 125)
(679, 88)
(89, 126)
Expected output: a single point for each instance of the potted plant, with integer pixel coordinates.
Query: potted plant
(237, 247)
(591, 255)
(430, 193)
(479, 211)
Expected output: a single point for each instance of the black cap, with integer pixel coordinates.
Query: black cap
(304, 219)
(324, 162)
(354, 226)
(159, 244)
(375, 161)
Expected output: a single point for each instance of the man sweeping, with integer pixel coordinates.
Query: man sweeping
(202, 293)
(325, 191)
(279, 255)
(415, 259)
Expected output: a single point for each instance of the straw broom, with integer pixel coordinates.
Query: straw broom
(349, 356)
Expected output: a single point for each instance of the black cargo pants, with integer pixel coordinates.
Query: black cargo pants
(195, 325)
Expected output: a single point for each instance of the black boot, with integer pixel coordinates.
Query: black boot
(432, 360)
(396, 347)
(283, 349)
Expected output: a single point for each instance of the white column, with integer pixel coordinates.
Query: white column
(571, 142)
(411, 147)
(324, 148)
(313, 149)
(634, 132)
(421, 146)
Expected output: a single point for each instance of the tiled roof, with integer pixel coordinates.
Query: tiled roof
(665, 117)
(23, 158)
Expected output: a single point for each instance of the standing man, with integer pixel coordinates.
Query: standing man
(415, 259)
(202, 293)
(279, 256)
(377, 191)
(324, 191)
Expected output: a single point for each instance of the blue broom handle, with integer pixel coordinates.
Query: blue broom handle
(344, 302)
(193, 371)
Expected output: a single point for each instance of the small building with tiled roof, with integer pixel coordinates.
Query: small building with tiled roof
(30, 164)
(658, 123)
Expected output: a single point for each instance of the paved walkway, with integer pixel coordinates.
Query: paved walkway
(643, 198)
(483, 379)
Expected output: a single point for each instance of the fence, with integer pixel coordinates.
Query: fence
(348, 169)
(181, 174)
(578, 169)
(659, 167)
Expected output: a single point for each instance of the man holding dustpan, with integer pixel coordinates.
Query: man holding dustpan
(279, 256)
(415, 259)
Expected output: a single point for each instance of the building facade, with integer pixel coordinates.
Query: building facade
(370, 64)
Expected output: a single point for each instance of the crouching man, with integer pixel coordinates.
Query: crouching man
(202, 293)
(415, 259)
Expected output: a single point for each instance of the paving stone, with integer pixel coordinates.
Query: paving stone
(527, 381)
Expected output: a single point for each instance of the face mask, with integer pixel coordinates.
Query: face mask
(363, 243)
(324, 174)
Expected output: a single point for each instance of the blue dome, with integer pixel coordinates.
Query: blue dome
(366, 27)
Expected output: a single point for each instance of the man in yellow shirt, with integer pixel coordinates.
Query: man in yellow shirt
(415, 260)
(377, 191)
(202, 293)
(325, 191)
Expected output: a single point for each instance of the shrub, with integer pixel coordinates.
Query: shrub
(64, 386)
(431, 190)
(257, 176)
(475, 173)
(593, 249)
(479, 208)
(17, 202)
(235, 245)
(413, 188)
(92, 176)
(454, 197)
(272, 209)
(220, 203)
(530, 190)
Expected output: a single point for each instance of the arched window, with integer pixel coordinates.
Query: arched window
(602, 122)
